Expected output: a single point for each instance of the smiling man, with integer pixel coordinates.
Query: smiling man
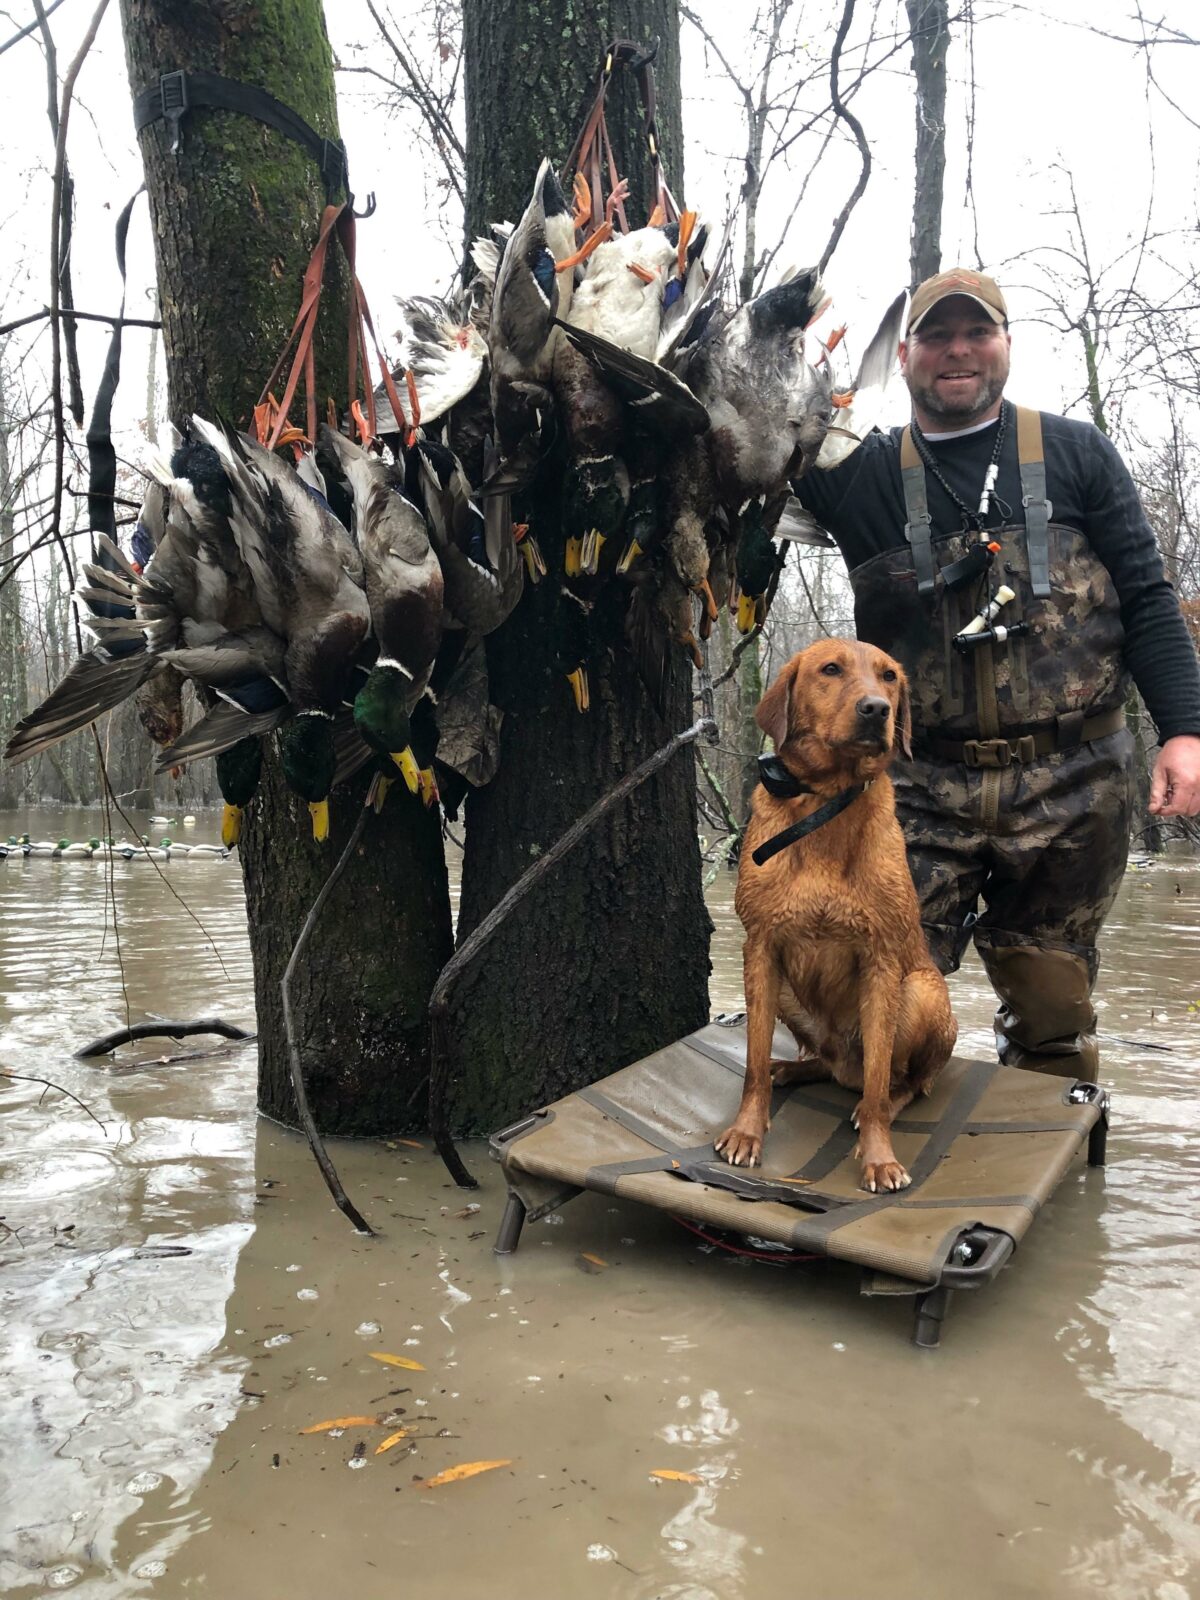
(1004, 557)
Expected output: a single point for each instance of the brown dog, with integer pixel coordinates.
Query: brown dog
(834, 946)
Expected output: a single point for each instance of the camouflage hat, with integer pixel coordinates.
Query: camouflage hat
(958, 280)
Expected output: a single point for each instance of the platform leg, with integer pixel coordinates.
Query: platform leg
(509, 1233)
(1098, 1140)
(930, 1310)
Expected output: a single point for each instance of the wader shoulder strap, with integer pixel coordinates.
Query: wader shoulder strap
(1038, 509)
(918, 527)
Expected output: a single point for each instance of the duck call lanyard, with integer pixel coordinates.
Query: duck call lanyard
(916, 458)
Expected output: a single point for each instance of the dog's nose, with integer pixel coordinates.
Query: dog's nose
(873, 710)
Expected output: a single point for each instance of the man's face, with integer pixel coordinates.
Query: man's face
(956, 364)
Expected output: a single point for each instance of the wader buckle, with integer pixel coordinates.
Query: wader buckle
(996, 754)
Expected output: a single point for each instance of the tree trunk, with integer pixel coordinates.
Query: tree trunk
(609, 959)
(929, 27)
(235, 214)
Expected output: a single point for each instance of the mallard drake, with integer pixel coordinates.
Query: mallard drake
(309, 582)
(405, 590)
(482, 568)
(190, 611)
(572, 637)
(757, 562)
(534, 285)
(238, 772)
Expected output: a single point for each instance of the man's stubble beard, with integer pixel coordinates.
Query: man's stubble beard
(929, 402)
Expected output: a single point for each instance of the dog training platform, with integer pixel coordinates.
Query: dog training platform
(985, 1151)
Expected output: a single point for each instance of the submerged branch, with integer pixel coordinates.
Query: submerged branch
(439, 1005)
(311, 1132)
(160, 1029)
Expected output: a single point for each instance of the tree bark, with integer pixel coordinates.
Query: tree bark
(929, 26)
(609, 960)
(234, 214)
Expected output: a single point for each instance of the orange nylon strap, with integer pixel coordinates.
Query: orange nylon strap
(301, 336)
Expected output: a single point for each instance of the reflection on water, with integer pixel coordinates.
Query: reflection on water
(180, 1300)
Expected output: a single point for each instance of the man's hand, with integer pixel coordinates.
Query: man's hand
(1175, 787)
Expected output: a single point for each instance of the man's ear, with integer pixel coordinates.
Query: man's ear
(772, 712)
(904, 720)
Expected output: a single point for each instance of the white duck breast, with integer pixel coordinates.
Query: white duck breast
(615, 299)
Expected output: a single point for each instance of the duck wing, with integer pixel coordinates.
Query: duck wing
(655, 396)
(871, 388)
(445, 356)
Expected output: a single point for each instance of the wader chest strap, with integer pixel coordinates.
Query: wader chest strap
(918, 527)
(1038, 509)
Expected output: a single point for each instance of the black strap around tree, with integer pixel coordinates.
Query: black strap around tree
(102, 457)
(175, 93)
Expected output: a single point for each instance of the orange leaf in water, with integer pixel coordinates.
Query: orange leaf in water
(392, 1438)
(396, 1361)
(597, 1261)
(411, 1144)
(340, 1422)
(469, 1469)
(669, 1475)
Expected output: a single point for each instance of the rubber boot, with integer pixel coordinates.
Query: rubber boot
(1046, 1022)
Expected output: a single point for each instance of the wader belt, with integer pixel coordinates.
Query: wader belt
(1071, 730)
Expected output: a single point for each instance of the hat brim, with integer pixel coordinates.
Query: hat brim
(956, 294)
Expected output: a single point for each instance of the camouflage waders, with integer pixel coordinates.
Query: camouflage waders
(1020, 792)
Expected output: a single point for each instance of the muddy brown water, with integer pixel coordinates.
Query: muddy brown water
(181, 1300)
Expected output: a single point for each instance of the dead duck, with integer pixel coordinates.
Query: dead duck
(405, 591)
(309, 582)
(482, 568)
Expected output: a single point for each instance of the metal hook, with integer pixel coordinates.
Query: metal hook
(369, 212)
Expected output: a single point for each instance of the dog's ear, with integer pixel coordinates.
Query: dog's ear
(772, 712)
(904, 719)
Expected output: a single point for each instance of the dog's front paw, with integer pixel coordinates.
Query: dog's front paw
(741, 1147)
(882, 1177)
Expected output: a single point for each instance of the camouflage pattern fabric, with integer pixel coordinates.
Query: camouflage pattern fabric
(1032, 891)
(1071, 660)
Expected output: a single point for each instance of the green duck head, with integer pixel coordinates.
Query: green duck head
(757, 559)
(238, 770)
(309, 762)
(381, 716)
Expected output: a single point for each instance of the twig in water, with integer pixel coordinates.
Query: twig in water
(439, 1005)
(315, 1143)
(22, 1077)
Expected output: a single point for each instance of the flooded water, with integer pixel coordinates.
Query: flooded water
(181, 1301)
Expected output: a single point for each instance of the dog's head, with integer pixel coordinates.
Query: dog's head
(838, 710)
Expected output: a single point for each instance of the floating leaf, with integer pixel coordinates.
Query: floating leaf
(397, 1361)
(411, 1144)
(392, 1438)
(597, 1261)
(669, 1475)
(469, 1469)
(340, 1422)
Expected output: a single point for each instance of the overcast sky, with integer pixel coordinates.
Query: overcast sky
(1048, 92)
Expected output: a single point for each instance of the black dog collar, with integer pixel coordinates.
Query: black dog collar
(822, 815)
(777, 780)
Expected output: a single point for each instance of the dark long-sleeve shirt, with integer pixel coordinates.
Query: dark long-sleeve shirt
(861, 502)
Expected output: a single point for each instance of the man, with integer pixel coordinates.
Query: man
(1003, 556)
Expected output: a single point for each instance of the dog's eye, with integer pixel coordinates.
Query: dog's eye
(831, 669)
(889, 675)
